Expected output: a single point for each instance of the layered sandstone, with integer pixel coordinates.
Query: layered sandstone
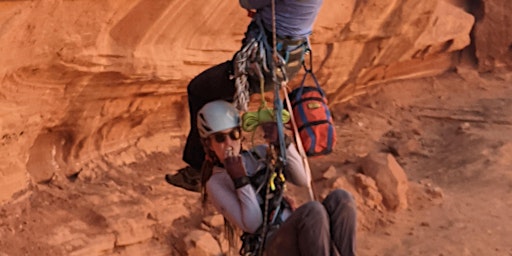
(84, 82)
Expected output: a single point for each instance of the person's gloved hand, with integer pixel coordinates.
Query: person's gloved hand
(270, 134)
(235, 167)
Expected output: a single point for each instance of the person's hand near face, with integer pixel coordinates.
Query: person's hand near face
(226, 145)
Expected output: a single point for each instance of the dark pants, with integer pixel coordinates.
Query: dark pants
(318, 229)
(212, 84)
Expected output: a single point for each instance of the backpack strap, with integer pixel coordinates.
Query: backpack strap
(297, 95)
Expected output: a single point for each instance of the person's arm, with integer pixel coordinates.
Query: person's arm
(295, 171)
(254, 4)
(240, 206)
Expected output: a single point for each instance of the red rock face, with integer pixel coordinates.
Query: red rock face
(89, 80)
(492, 35)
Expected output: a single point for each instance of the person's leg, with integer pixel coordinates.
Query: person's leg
(341, 208)
(212, 84)
(305, 232)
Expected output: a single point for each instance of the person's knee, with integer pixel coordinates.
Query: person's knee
(204, 80)
(338, 198)
(314, 210)
(314, 207)
(211, 81)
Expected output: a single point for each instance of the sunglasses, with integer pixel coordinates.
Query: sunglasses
(234, 134)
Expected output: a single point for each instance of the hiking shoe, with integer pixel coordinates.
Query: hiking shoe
(187, 178)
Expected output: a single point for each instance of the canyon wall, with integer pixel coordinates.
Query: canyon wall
(89, 82)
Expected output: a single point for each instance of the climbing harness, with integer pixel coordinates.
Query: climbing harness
(253, 63)
(269, 187)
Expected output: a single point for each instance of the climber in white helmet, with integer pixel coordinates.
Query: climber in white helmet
(235, 181)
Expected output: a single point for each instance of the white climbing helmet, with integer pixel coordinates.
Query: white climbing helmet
(217, 116)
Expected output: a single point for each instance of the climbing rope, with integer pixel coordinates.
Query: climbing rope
(276, 155)
(276, 160)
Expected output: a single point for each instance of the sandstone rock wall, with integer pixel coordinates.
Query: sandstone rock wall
(105, 81)
(492, 34)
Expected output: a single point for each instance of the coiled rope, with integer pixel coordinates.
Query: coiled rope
(251, 120)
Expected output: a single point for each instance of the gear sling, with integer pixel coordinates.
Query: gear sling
(254, 63)
(269, 186)
(258, 67)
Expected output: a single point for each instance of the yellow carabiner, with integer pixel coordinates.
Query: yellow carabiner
(271, 181)
(281, 176)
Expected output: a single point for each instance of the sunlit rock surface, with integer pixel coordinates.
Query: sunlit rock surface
(88, 82)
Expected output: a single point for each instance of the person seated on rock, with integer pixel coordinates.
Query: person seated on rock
(294, 23)
(235, 181)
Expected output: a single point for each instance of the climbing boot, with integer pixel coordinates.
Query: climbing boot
(187, 178)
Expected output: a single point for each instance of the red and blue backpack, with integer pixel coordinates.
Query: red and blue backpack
(313, 117)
